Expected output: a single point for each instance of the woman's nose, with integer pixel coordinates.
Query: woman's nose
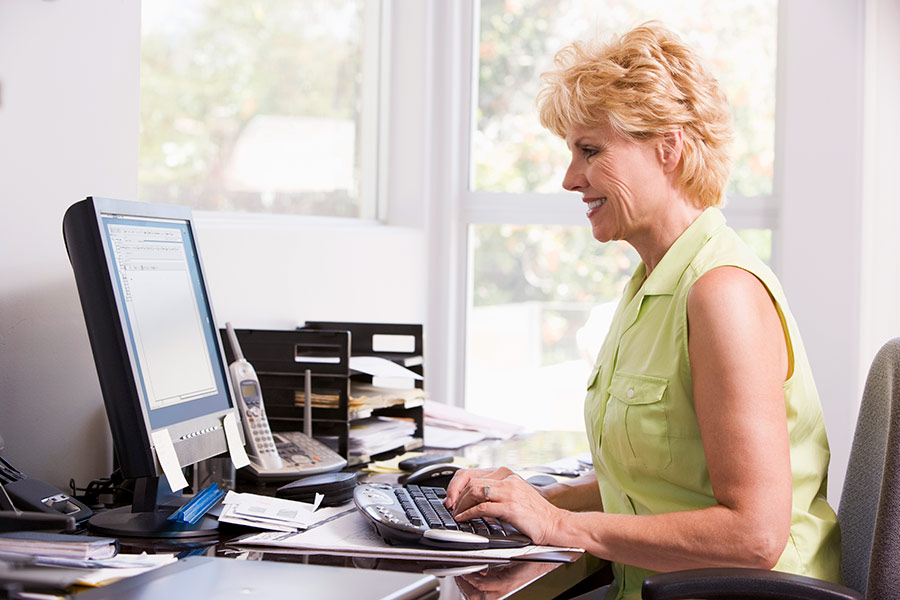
(574, 179)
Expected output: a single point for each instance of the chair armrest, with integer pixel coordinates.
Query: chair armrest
(738, 584)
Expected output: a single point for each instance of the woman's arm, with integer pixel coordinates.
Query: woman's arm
(578, 494)
(739, 364)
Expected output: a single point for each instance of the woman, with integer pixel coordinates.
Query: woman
(702, 416)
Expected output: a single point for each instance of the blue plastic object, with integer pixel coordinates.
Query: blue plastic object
(198, 506)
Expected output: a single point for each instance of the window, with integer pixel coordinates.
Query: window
(541, 292)
(260, 106)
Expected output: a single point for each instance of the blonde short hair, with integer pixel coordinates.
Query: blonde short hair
(643, 84)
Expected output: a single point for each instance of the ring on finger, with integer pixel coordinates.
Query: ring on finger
(487, 492)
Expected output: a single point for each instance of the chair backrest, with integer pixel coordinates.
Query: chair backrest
(869, 512)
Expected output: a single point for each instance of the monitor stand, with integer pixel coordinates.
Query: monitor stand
(146, 518)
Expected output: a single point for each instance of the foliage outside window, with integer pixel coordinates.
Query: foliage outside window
(252, 105)
(518, 39)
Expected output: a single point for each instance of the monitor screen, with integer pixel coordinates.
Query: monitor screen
(152, 329)
(168, 324)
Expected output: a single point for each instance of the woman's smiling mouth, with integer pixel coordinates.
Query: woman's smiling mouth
(595, 204)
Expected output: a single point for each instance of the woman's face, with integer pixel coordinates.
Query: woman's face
(621, 182)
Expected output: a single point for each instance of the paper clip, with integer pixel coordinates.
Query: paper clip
(191, 512)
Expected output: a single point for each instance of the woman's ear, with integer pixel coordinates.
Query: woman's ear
(669, 148)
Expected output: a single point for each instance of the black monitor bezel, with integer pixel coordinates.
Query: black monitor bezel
(87, 245)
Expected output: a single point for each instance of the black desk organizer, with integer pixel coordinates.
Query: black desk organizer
(282, 357)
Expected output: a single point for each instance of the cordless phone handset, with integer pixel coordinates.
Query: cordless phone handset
(253, 411)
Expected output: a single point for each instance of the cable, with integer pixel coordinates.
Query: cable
(112, 485)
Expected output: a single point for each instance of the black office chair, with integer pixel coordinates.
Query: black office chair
(869, 516)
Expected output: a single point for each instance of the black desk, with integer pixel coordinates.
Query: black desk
(519, 580)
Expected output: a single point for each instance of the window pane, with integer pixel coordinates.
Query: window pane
(252, 105)
(541, 300)
(518, 38)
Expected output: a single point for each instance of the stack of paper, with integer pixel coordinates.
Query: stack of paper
(106, 571)
(392, 385)
(38, 543)
(366, 397)
(453, 417)
(265, 512)
(380, 434)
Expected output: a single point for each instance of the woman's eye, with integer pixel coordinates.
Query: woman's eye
(589, 152)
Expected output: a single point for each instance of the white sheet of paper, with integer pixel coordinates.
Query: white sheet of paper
(450, 439)
(266, 509)
(381, 367)
(228, 515)
(352, 533)
(445, 415)
(235, 448)
(168, 459)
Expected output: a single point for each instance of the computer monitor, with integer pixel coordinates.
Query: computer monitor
(156, 348)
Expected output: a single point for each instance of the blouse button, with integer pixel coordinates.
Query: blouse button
(630, 393)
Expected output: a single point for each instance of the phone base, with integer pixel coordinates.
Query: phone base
(121, 522)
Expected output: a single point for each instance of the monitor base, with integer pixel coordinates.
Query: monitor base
(121, 522)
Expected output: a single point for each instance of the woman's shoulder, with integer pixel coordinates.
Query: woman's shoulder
(726, 249)
(726, 292)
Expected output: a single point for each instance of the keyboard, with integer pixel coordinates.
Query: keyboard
(415, 515)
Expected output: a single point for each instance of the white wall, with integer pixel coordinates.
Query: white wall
(819, 183)
(68, 129)
(69, 88)
(300, 269)
(839, 92)
(880, 302)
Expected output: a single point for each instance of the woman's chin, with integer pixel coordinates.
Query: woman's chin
(601, 235)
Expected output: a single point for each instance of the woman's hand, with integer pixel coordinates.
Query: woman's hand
(502, 494)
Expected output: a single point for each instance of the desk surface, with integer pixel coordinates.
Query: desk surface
(200, 577)
(519, 580)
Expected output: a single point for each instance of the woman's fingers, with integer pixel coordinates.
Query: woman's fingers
(462, 481)
(459, 482)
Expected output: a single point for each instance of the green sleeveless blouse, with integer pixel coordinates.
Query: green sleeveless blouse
(639, 411)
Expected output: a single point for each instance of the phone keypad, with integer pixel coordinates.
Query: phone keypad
(259, 429)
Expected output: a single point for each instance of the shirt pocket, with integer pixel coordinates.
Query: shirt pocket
(636, 424)
(593, 410)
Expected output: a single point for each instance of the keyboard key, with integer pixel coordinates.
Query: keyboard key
(481, 527)
(494, 526)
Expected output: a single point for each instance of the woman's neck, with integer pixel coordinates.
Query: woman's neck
(653, 244)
